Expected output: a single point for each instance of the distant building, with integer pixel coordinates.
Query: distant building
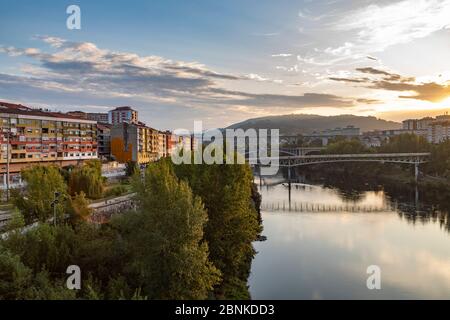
(122, 114)
(348, 132)
(98, 116)
(417, 124)
(94, 116)
(435, 130)
(134, 142)
(439, 131)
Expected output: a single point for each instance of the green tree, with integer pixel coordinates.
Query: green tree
(404, 143)
(88, 179)
(233, 222)
(166, 237)
(80, 207)
(16, 222)
(14, 276)
(344, 146)
(35, 201)
(131, 168)
(440, 159)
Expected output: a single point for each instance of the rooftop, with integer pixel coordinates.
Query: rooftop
(12, 108)
(123, 108)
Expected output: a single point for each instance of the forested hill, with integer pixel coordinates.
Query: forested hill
(307, 123)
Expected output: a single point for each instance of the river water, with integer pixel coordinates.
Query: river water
(321, 249)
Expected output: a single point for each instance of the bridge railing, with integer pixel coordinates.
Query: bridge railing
(375, 156)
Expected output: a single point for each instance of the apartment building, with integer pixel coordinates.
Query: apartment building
(104, 140)
(162, 144)
(134, 142)
(439, 131)
(98, 116)
(123, 114)
(94, 116)
(435, 130)
(33, 136)
(417, 124)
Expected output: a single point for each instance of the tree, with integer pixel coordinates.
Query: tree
(88, 179)
(131, 168)
(233, 222)
(440, 159)
(14, 276)
(343, 146)
(16, 222)
(35, 202)
(166, 237)
(80, 207)
(406, 142)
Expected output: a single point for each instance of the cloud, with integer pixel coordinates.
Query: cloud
(268, 34)
(378, 27)
(78, 73)
(357, 80)
(282, 55)
(368, 101)
(286, 101)
(385, 80)
(354, 35)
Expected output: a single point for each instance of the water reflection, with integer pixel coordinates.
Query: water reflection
(324, 254)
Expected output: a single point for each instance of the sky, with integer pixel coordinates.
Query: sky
(222, 62)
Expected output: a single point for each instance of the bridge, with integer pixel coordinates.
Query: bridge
(320, 207)
(301, 160)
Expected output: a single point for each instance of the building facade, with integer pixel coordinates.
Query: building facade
(439, 131)
(104, 140)
(94, 116)
(134, 142)
(122, 114)
(162, 144)
(417, 124)
(31, 136)
(98, 116)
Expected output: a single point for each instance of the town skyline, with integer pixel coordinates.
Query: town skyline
(321, 57)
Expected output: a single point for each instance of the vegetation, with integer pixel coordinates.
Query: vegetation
(439, 164)
(80, 208)
(35, 203)
(166, 237)
(115, 191)
(131, 168)
(233, 221)
(182, 242)
(343, 146)
(88, 179)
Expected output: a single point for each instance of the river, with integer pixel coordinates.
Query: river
(321, 249)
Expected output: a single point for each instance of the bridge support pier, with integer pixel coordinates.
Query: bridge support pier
(416, 171)
(289, 186)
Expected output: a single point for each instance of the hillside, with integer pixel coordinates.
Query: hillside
(307, 123)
